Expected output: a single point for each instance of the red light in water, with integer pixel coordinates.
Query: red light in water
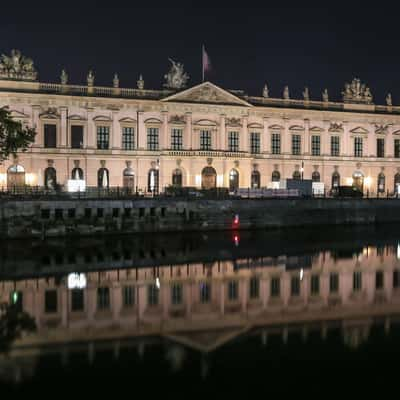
(236, 220)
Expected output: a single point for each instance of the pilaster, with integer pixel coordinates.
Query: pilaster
(62, 137)
(116, 134)
(222, 132)
(188, 131)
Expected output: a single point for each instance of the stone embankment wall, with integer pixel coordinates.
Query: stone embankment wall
(46, 218)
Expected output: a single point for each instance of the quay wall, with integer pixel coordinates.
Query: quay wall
(74, 217)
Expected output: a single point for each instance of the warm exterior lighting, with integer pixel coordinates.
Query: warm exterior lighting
(349, 181)
(76, 281)
(236, 221)
(3, 179)
(301, 274)
(220, 180)
(158, 282)
(30, 179)
(198, 180)
(368, 181)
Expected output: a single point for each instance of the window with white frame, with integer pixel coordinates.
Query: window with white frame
(255, 142)
(358, 147)
(315, 145)
(276, 143)
(335, 146)
(296, 145)
(103, 137)
(176, 139)
(128, 138)
(205, 140)
(152, 138)
(176, 293)
(233, 141)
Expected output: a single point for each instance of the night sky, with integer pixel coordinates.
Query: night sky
(316, 46)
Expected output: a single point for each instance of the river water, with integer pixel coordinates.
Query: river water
(219, 309)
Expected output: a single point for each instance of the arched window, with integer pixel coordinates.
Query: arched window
(233, 180)
(381, 183)
(128, 178)
(50, 178)
(177, 178)
(77, 173)
(208, 178)
(335, 180)
(296, 175)
(397, 183)
(153, 181)
(276, 176)
(255, 180)
(15, 176)
(316, 177)
(103, 178)
(358, 180)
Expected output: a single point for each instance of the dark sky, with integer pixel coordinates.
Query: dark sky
(316, 46)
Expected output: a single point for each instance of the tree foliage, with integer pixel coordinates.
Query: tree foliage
(14, 136)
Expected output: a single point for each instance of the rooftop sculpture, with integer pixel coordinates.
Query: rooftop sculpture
(356, 92)
(176, 77)
(16, 66)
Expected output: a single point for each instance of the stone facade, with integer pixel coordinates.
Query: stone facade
(182, 131)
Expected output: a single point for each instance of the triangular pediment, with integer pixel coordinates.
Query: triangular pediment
(207, 92)
(359, 130)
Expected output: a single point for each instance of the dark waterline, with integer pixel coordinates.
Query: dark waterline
(307, 345)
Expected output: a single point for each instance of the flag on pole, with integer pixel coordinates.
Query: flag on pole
(206, 63)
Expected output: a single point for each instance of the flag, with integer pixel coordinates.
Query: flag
(206, 63)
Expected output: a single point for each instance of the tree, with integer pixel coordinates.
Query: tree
(14, 136)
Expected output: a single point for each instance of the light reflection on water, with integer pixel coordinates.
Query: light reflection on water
(186, 301)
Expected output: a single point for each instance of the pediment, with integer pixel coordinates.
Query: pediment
(316, 129)
(255, 125)
(207, 92)
(153, 121)
(296, 128)
(76, 117)
(102, 118)
(205, 122)
(18, 114)
(128, 120)
(359, 130)
(276, 126)
(396, 132)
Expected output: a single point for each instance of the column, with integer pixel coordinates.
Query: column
(36, 124)
(164, 140)
(244, 145)
(116, 137)
(141, 131)
(222, 132)
(62, 137)
(306, 137)
(91, 130)
(265, 139)
(188, 131)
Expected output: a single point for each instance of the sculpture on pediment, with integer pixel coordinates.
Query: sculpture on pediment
(325, 96)
(17, 66)
(381, 129)
(265, 91)
(64, 77)
(140, 82)
(306, 94)
(177, 119)
(286, 93)
(335, 127)
(176, 78)
(356, 92)
(233, 121)
(90, 78)
(389, 100)
(205, 93)
(116, 81)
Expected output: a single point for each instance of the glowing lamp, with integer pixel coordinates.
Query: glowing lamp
(76, 281)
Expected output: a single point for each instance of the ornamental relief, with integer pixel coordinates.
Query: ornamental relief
(233, 122)
(382, 129)
(335, 127)
(177, 119)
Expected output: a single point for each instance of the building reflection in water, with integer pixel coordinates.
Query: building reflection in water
(199, 306)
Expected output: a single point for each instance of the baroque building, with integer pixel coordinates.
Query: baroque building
(198, 136)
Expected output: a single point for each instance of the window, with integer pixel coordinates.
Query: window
(128, 138)
(153, 180)
(397, 148)
(205, 292)
(335, 146)
(296, 145)
(205, 140)
(128, 296)
(103, 298)
(314, 284)
(16, 299)
(152, 138)
(254, 288)
(333, 282)
(316, 177)
(255, 180)
(381, 183)
(379, 280)
(276, 176)
(295, 286)
(276, 143)
(396, 278)
(177, 178)
(335, 180)
(233, 141)
(176, 293)
(358, 147)
(275, 287)
(76, 137)
(176, 139)
(315, 145)
(397, 182)
(77, 300)
(380, 147)
(103, 137)
(152, 295)
(255, 142)
(50, 135)
(233, 290)
(50, 301)
(357, 280)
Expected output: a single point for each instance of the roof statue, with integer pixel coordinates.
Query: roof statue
(265, 91)
(64, 77)
(17, 66)
(325, 96)
(115, 81)
(286, 93)
(90, 78)
(140, 82)
(176, 77)
(306, 94)
(356, 92)
(389, 100)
